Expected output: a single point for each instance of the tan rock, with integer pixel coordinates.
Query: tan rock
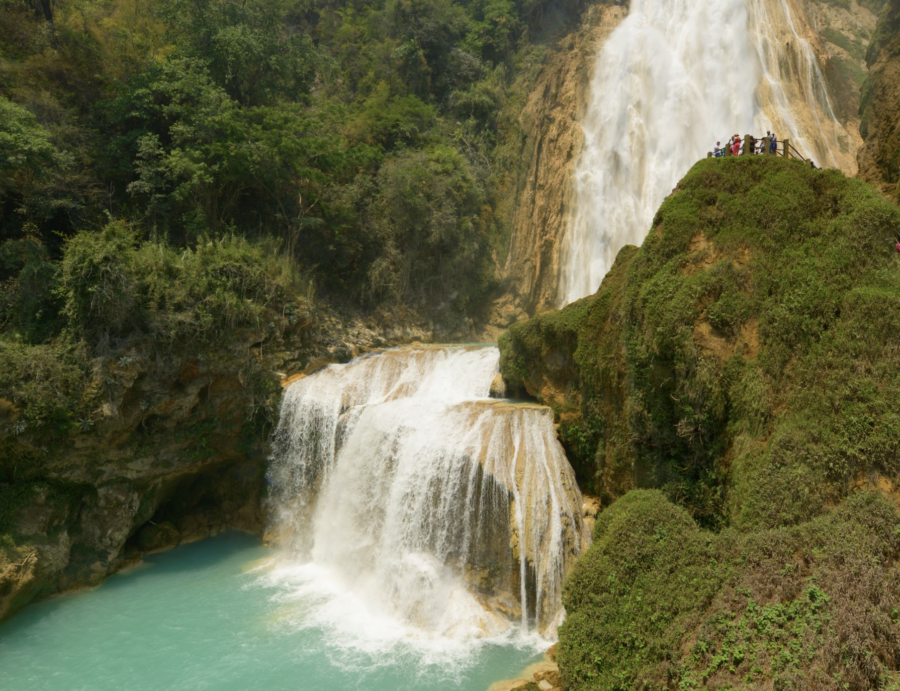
(498, 387)
(551, 652)
(881, 108)
(550, 121)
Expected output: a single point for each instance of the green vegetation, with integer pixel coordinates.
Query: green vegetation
(657, 602)
(842, 40)
(377, 141)
(745, 362)
(741, 359)
(112, 291)
(174, 173)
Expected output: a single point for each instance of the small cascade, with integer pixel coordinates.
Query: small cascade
(672, 78)
(441, 508)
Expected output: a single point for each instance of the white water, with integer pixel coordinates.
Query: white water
(673, 78)
(403, 496)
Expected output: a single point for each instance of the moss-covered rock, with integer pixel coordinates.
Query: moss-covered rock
(745, 363)
(745, 360)
(879, 158)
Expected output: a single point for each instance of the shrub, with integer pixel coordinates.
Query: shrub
(746, 357)
(658, 603)
(116, 287)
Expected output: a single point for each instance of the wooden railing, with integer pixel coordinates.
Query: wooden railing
(783, 147)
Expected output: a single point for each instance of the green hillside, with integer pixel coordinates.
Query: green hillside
(745, 362)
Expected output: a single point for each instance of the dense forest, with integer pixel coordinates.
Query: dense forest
(170, 170)
(370, 147)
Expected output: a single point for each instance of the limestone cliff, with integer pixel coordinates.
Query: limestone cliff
(879, 158)
(550, 121)
(175, 452)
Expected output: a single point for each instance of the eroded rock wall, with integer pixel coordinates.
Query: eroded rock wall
(879, 158)
(554, 139)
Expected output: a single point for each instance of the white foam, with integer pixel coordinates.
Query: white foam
(395, 473)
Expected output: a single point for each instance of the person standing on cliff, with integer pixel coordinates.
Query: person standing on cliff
(736, 145)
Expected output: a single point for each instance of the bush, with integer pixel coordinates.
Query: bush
(746, 358)
(427, 218)
(116, 287)
(29, 303)
(658, 603)
(44, 384)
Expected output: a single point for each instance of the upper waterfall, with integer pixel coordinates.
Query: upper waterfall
(673, 78)
(447, 512)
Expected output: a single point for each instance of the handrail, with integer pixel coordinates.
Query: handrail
(783, 147)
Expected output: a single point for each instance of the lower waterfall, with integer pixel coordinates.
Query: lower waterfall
(445, 514)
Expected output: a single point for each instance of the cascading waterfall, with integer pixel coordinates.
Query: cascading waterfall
(673, 77)
(445, 511)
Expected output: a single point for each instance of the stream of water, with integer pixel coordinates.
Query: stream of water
(449, 513)
(422, 532)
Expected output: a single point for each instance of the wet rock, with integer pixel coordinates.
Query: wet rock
(498, 387)
(154, 537)
(552, 651)
(547, 680)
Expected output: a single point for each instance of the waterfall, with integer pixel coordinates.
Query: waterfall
(443, 510)
(673, 78)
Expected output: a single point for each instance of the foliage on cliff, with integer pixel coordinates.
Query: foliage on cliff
(879, 158)
(136, 381)
(377, 141)
(745, 361)
(112, 293)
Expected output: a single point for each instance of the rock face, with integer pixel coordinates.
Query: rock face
(554, 141)
(879, 158)
(843, 31)
(177, 452)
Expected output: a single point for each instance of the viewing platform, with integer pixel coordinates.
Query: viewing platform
(783, 148)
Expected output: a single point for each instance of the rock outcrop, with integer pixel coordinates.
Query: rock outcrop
(879, 158)
(745, 363)
(553, 142)
(690, 369)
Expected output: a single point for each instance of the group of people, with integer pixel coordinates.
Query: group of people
(756, 146)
